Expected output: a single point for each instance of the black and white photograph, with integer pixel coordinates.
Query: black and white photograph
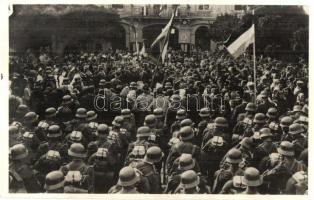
(158, 99)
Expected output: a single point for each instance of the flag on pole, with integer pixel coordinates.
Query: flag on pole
(164, 33)
(143, 50)
(237, 47)
(164, 52)
(213, 46)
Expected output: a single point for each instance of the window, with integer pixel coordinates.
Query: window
(117, 6)
(203, 7)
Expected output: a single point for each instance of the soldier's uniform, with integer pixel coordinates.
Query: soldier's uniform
(55, 143)
(234, 158)
(205, 116)
(190, 184)
(23, 177)
(234, 186)
(77, 152)
(148, 169)
(181, 115)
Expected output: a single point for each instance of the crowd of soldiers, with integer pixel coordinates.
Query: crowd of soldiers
(115, 123)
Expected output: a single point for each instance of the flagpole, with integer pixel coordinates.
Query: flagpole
(254, 60)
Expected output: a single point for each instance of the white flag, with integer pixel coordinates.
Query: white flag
(241, 43)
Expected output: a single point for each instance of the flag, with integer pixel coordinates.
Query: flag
(143, 51)
(164, 33)
(164, 52)
(239, 46)
(213, 46)
(161, 9)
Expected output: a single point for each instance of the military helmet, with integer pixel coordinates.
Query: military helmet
(234, 156)
(186, 122)
(50, 112)
(204, 112)
(272, 113)
(81, 113)
(259, 118)
(186, 162)
(150, 120)
(189, 179)
(265, 133)
(153, 154)
(286, 148)
(128, 177)
(252, 177)
(54, 180)
(76, 136)
(54, 131)
(295, 129)
(250, 107)
(118, 121)
(181, 114)
(91, 115)
(143, 131)
(286, 121)
(77, 150)
(18, 152)
(126, 113)
(102, 130)
(158, 112)
(30, 117)
(22, 109)
(247, 142)
(221, 122)
(186, 133)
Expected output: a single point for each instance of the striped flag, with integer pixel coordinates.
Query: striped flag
(238, 47)
(164, 33)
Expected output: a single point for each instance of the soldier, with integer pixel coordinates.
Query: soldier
(234, 186)
(54, 182)
(247, 122)
(55, 142)
(128, 178)
(252, 179)
(212, 153)
(266, 104)
(23, 177)
(184, 146)
(148, 169)
(190, 184)
(21, 111)
(80, 124)
(285, 122)
(129, 122)
(272, 115)
(30, 122)
(285, 168)
(298, 138)
(218, 128)
(265, 148)
(137, 149)
(92, 122)
(31, 142)
(297, 184)
(103, 170)
(151, 122)
(221, 176)
(181, 115)
(75, 137)
(184, 163)
(67, 105)
(259, 122)
(73, 182)
(205, 119)
(15, 136)
(77, 154)
(103, 142)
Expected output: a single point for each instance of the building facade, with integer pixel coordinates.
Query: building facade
(190, 29)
